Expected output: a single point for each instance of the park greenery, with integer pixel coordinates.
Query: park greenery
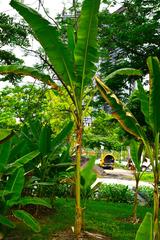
(88, 92)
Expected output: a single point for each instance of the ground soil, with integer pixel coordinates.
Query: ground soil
(69, 235)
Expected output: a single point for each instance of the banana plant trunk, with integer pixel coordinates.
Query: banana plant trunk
(78, 217)
(135, 198)
(156, 207)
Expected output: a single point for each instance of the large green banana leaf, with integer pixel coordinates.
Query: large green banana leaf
(120, 111)
(49, 38)
(15, 185)
(154, 99)
(28, 219)
(145, 230)
(28, 71)
(85, 49)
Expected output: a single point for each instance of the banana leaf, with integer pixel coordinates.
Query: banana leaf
(28, 71)
(5, 134)
(88, 176)
(22, 161)
(61, 136)
(35, 201)
(134, 148)
(5, 221)
(86, 46)
(45, 140)
(121, 112)
(145, 230)
(124, 71)
(71, 39)
(154, 99)
(28, 219)
(15, 186)
(48, 36)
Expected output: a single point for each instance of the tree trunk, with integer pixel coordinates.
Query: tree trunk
(156, 207)
(135, 201)
(78, 220)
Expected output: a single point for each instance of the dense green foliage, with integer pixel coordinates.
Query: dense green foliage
(115, 193)
(103, 131)
(125, 41)
(13, 34)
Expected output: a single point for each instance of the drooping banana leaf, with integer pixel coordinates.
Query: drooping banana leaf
(4, 154)
(35, 201)
(120, 111)
(28, 219)
(22, 161)
(145, 230)
(144, 99)
(28, 71)
(15, 185)
(48, 37)
(124, 71)
(154, 99)
(86, 46)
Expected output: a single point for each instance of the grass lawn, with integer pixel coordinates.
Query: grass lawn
(109, 219)
(148, 177)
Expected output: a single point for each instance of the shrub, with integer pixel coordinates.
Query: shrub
(115, 193)
(147, 194)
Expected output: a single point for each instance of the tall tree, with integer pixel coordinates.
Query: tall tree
(20, 104)
(13, 34)
(74, 64)
(127, 37)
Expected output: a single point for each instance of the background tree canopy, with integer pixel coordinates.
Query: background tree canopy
(13, 34)
(127, 37)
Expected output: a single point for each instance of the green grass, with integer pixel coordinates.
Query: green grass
(148, 177)
(100, 216)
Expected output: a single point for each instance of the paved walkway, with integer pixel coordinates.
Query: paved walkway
(120, 176)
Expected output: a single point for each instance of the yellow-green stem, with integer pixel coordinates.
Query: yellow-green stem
(78, 220)
(156, 235)
(137, 176)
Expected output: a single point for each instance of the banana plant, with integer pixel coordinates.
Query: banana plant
(12, 179)
(150, 108)
(73, 61)
(10, 196)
